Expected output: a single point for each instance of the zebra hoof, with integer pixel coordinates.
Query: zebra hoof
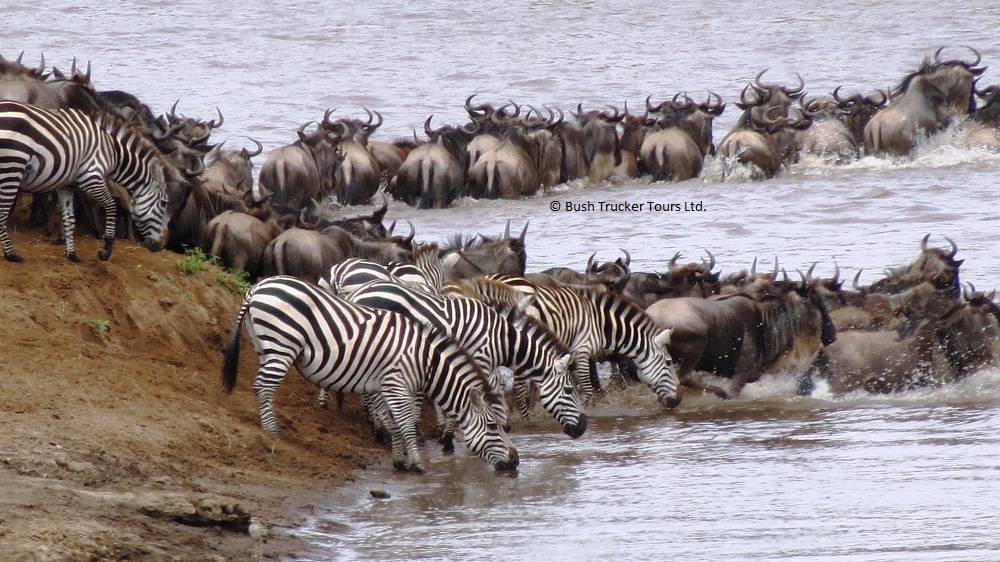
(71, 256)
(399, 465)
(104, 255)
(416, 468)
(12, 257)
(448, 445)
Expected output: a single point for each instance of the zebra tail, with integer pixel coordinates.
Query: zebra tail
(231, 366)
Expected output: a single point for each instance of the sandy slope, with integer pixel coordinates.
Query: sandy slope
(121, 445)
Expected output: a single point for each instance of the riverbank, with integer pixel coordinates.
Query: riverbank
(118, 442)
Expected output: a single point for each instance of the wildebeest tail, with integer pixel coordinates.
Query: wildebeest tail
(232, 363)
(426, 175)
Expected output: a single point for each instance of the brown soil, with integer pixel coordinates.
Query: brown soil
(117, 442)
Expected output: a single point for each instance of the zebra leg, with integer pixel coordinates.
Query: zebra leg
(270, 375)
(400, 405)
(7, 196)
(447, 428)
(370, 405)
(107, 201)
(522, 398)
(68, 222)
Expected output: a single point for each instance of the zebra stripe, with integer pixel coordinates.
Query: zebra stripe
(43, 151)
(589, 320)
(340, 346)
(493, 339)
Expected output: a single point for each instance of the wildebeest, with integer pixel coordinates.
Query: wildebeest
(764, 135)
(239, 239)
(932, 352)
(742, 338)
(930, 261)
(231, 171)
(675, 146)
(827, 136)
(309, 254)
(433, 174)
(519, 165)
(357, 174)
(983, 129)
(464, 258)
(296, 173)
(923, 103)
(689, 280)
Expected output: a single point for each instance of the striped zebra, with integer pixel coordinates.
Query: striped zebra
(494, 339)
(338, 345)
(43, 151)
(589, 321)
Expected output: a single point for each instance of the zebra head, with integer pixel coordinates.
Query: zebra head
(558, 395)
(149, 209)
(484, 436)
(656, 368)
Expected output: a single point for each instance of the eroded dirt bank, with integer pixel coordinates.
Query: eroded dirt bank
(117, 442)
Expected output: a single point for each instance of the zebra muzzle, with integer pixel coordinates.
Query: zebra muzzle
(577, 429)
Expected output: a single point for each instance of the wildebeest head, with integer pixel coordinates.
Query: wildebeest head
(482, 255)
(933, 261)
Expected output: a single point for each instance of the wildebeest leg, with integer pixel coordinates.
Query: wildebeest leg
(691, 381)
(805, 381)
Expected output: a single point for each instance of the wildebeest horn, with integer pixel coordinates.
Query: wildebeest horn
(757, 83)
(524, 232)
(954, 247)
(753, 267)
(857, 277)
(812, 267)
(716, 108)
(211, 124)
(805, 278)
(617, 117)
(326, 116)
(923, 243)
(374, 126)
(836, 274)
(172, 115)
(800, 89)
(711, 261)
(774, 274)
(672, 264)
(836, 94)
(302, 129)
(628, 258)
(427, 126)
(413, 232)
(744, 102)
(506, 230)
(591, 266)
(388, 231)
(485, 107)
(260, 148)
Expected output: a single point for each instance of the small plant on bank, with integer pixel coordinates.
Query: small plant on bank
(194, 261)
(100, 327)
(236, 279)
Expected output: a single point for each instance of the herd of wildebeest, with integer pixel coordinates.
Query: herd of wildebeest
(917, 326)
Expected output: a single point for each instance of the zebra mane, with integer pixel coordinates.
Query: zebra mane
(463, 357)
(600, 294)
(535, 326)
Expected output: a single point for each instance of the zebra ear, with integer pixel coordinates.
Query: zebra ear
(525, 303)
(663, 338)
(562, 364)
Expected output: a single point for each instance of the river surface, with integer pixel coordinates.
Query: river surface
(767, 476)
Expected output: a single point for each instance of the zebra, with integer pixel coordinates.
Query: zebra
(509, 338)
(348, 275)
(427, 268)
(588, 320)
(43, 151)
(338, 345)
